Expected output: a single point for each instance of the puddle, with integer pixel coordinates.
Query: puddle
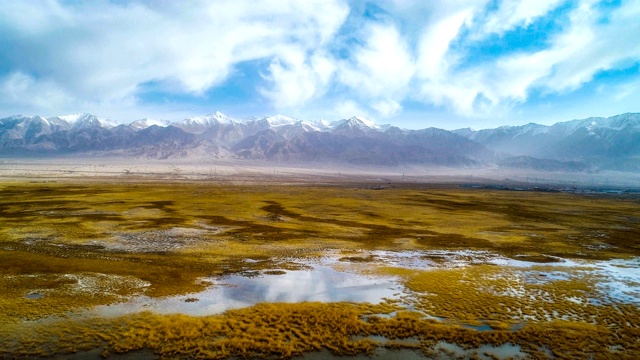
(431, 258)
(541, 277)
(483, 327)
(34, 296)
(390, 315)
(484, 352)
(383, 340)
(504, 261)
(379, 354)
(321, 283)
(620, 280)
(617, 280)
(450, 259)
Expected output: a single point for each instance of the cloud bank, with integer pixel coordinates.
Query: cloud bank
(383, 59)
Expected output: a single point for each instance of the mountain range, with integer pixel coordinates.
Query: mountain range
(580, 145)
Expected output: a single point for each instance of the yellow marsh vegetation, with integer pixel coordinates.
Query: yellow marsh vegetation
(77, 246)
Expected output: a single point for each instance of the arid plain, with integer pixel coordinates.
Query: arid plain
(226, 263)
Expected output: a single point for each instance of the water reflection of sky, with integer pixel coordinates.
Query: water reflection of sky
(321, 283)
(618, 280)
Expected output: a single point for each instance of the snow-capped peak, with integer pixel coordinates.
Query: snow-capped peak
(145, 123)
(219, 117)
(209, 119)
(279, 120)
(356, 121)
(316, 125)
(199, 124)
(532, 129)
(365, 121)
(82, 121)
(72, 118)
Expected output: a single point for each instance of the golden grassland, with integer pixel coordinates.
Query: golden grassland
(69, 246)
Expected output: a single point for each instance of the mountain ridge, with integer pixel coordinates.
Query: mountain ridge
(576, 145)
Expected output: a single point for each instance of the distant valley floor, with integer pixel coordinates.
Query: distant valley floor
(271, 172)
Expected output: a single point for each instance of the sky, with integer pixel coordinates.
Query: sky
(412, 64)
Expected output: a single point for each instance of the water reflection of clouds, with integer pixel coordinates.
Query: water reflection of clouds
(321, 283)
(618, 280)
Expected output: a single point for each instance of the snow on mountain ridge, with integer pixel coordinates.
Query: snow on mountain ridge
(81, 121)
(145, 123)
(367, 122)
(199, 124)
(36, 126)
(533, 129)
(220, 118)
(316, 125)
(355, 121)
(72, 118)
(279, 120)
(562, 129)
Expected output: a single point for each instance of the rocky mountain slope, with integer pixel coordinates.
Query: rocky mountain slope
(612, 143)
(579, 145)
(354, 140)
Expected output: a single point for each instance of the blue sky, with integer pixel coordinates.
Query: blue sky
(413, 64)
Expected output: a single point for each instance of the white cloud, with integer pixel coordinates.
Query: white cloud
(33, 18)
(383, 66)
(98, 51)
(574, 56)
(627, 91)
(21, 90)
(348, 108)
(435, 42)
(515, 13)
(81, 56)
(380, 71)
(591, 45)
(387, 108)
(297, 78)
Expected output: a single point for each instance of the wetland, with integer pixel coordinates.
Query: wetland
(224, 270)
